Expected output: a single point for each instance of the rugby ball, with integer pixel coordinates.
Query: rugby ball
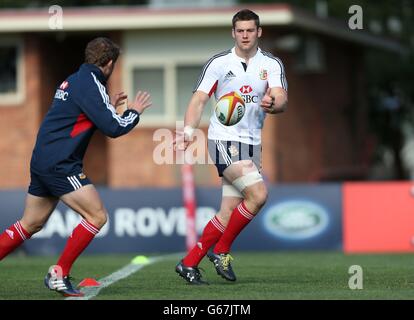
(230, 109)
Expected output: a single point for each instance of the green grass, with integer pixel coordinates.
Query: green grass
(269, 276)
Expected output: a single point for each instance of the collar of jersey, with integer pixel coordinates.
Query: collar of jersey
(96, 71)
(233, 51)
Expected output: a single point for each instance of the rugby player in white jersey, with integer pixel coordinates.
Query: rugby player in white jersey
(259, 78)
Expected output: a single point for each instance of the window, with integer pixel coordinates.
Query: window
(186, 79)
(8, 69)
(11, 80)
(181, 64)
(171, 87)
(152, 81)
(310, 57)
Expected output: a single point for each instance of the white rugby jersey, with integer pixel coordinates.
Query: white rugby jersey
(226, 72)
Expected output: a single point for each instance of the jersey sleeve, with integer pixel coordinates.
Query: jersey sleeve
(95, 103)
(208, 79)
(277, 76)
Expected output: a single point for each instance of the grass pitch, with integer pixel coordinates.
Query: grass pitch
(264, 276)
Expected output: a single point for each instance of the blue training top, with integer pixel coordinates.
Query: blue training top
(80, 105)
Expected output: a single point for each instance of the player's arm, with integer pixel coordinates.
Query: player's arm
(205, 87)
(275, 100)
(194, 111)
(191, 120)
(95, 103)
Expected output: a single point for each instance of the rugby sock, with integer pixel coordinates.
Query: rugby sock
(240, 217)
(211, 234)
(12, 238)
(81, 236)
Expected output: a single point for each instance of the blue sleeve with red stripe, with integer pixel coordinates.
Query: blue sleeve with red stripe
(95, 103)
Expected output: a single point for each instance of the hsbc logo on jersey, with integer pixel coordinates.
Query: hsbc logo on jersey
(61, 94)
(64, 85)
(245, 90)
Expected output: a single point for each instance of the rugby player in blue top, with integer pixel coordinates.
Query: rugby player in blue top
(80, 106)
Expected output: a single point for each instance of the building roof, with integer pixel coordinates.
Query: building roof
(142, 18)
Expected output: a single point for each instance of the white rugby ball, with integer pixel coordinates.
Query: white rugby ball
(230, 109)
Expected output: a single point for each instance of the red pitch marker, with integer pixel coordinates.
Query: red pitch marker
(89, 282)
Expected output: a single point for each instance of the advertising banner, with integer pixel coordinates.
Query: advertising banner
(297, 217)
(154, 220)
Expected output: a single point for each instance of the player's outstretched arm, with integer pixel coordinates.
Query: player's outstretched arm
(191, 120)
(95, 103)
(195, 109)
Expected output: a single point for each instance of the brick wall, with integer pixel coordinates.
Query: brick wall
(323, 133)
(18, 124)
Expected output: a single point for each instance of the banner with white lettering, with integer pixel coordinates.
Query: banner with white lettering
(153, 220)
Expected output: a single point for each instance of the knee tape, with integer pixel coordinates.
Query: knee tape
(247, 180)
(230, 191)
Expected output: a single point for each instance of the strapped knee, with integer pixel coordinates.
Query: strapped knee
(230, 191)
(247, 180)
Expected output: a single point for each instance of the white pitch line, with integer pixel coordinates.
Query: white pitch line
(91, 292)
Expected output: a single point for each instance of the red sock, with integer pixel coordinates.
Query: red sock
(12, 238)
(240, 217)
(81, 236)
(211, 234)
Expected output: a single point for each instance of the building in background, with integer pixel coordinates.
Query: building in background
(323, 135)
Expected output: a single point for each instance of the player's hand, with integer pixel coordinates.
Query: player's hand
(267, 102)
(118, 99)
(181, 141)
(142, 101)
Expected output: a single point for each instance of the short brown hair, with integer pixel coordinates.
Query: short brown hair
(246, 15)
(100, 51)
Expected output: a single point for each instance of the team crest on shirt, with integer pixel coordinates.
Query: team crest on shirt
(233, 151)
(82, 176)
(263, 74)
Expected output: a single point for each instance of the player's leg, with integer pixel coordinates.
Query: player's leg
(36, 213)
(87, 202)
(231, 199)
(240, 218)
(212, 232)
(188, 266)
(80, 195)
(246, 178)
